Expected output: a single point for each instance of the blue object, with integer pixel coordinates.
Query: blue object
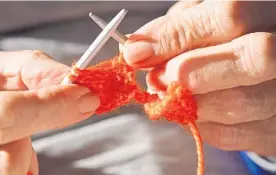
(258, 165)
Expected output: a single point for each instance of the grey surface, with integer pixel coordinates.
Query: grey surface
(120, 143)
(130, 144)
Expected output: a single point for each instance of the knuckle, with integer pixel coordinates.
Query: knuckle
(224, 137)
(253, 105)
(247, 106)
(35, 54)
(256, 55)
(262, 40)
(265, 42)
(231, 17)
(223, 18)
(40, 54)
(234, 8)
(230, 114)
(243, 105)
(174, 42)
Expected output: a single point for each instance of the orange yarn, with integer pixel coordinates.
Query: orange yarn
(115, 83)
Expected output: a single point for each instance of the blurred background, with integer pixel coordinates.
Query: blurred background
(120, 143)
(68, 23)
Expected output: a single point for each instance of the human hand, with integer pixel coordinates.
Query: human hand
(224, 52)
(32, 101)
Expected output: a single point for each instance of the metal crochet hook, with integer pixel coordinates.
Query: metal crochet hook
(98, 43)
(117, 35)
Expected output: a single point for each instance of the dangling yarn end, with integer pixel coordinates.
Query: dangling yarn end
(199, 148)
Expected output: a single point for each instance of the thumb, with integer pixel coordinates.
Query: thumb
(26, 112)
(207, 23)
(179, 6)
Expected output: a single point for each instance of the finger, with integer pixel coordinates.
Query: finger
(151, 90)
(238, 105)
(206, 24)
(34, 169)
(257, 136)
(181, 5)
(26, 112)
(245, 61)
(27, 69)
(15, 157)
(121, 49)
(153, 83)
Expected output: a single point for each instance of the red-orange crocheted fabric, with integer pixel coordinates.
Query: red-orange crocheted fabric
(115, 83)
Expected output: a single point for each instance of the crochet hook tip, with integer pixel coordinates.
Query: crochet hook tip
(118, 36)
(91, 15)
(100, 40)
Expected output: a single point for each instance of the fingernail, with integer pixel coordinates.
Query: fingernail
(88, 103)
(138, 51)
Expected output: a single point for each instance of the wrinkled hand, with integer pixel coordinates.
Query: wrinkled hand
(32, 101)
(224, 52)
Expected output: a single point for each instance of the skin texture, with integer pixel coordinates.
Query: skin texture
(33, 101)
(224, 52)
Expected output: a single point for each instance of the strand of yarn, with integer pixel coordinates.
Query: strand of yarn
(115, 83)
(199, 148)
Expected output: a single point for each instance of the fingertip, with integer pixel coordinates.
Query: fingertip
(154, 80)
(121, 48)
(72, 90)
(88, 103)
(136, 52)
(86, 100)
(121, 45)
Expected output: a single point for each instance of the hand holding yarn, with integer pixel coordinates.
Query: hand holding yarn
(224, 52)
